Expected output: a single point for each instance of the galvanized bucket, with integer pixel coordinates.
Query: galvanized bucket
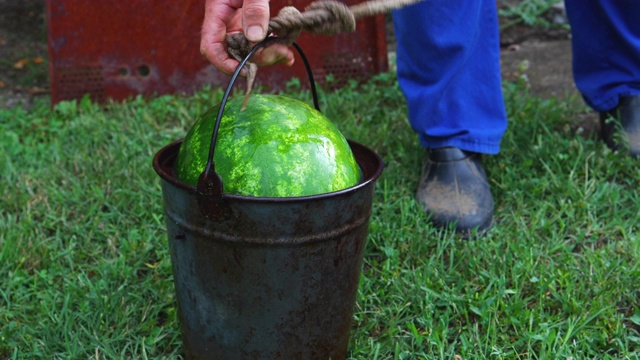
(266, 278)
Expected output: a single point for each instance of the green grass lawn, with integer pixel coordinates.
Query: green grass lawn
(85, 269)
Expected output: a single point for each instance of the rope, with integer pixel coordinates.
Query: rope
(323, 17)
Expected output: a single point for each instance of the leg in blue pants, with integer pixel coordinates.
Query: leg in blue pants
(606, 66)
(449, 71)
(448, 55)
(606, 50)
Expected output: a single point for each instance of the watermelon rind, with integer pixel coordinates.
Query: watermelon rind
(276, 147)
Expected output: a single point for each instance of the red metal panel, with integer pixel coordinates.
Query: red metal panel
(115, 49)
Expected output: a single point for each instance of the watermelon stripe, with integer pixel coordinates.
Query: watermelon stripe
(277, 147)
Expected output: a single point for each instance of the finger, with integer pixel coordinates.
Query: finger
(216, 54)
(255, 19)
(274, 54)
(218, 16)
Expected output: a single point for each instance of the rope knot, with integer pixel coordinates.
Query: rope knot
(328, 17)
(284, 25)
(325, 17)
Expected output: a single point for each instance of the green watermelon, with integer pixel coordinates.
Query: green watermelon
(276, 147)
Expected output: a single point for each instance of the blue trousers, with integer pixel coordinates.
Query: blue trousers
(448, 60)
(606, 49)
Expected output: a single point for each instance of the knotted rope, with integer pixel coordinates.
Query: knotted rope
(322, 17)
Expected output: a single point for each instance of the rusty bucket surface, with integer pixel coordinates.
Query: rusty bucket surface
(271, 278)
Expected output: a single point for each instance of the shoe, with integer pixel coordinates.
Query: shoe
(620, 127)
(454, 189)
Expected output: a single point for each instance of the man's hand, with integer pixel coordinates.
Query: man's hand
(251, 17)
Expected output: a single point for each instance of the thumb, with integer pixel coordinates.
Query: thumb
(255, 19)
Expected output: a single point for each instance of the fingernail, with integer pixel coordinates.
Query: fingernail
(254, 33)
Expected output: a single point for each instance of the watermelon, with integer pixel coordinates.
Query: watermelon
(276, 147)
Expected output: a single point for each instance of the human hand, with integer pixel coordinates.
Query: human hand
(223, 17)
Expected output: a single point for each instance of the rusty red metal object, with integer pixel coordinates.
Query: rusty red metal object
(276, 278)
(113, 50)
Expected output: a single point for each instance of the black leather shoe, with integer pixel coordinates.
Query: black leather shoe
(454, 190)
(620, 127)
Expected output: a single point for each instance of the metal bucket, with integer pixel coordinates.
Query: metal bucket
(275, 278)
(265, 278)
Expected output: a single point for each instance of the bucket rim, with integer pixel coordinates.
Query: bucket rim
(164, 159)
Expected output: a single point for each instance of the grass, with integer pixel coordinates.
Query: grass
(532, 13)
(85, 269)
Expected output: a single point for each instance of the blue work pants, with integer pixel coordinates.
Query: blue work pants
(606, 49)
(448, 60)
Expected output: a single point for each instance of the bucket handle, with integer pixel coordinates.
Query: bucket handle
(210, 185)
